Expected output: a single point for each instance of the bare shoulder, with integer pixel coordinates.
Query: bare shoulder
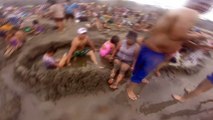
(75, 41)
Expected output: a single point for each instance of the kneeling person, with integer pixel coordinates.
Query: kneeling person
(79, 49)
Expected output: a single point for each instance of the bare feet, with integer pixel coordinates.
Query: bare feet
(110, 81)
(114, 86)
(145, 81)
(131, 95)
(178, 98)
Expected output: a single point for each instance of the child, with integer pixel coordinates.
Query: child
(108, 47)
(50, 62)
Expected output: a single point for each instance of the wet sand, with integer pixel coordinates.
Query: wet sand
(155, 102)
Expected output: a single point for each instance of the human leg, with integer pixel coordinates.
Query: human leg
(130, 91)
(147, 62)
(204, 86)
(92, 56)
(62, 61)
(124, 68)
(157, 72)
(116, 67)
(61, 25)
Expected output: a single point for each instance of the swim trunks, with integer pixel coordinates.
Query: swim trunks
(81, 53)
(147, 62)
(210, 77)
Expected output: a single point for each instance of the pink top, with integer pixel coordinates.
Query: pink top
(106, 49)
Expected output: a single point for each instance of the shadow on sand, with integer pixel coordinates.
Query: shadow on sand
(188, 112)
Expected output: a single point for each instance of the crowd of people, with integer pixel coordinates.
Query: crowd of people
(163, 39)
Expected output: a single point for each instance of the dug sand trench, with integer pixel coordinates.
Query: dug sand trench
(52, 84)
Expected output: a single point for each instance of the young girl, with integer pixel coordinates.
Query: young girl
(108, 47)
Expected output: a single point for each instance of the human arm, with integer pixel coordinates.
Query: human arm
(197, 46)
(195, 35)
(117, 48)
(73, 47)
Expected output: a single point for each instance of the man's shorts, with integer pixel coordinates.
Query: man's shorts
(81, 53)
(58, 19)
(210, 78)
(148, 60)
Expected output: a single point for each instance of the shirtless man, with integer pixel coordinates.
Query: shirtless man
(78, 47)
(166, 38)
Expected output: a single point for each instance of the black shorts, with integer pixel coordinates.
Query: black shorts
(58, 19)
(69, 16)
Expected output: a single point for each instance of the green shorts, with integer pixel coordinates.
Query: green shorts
(81, 53)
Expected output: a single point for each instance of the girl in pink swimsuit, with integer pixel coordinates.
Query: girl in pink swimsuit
(108, 47)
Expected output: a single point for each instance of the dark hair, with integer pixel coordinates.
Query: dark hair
(35, 22)
(132, 35)
(115, 39)
(52, 50)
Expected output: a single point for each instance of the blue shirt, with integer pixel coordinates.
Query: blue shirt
(69, 8)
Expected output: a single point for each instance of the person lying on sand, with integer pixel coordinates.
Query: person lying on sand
(166, 37)
(108, 47)
(78, 47)
(16, 39)
(50, 63)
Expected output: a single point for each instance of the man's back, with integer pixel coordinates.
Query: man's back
(171, 30)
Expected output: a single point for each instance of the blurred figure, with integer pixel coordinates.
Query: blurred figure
(69, 10)
(166, 38)
(204, 86)
(56, 11)
(109, 47)
(125, 55)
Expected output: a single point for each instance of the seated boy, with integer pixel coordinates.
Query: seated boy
(50, 62)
